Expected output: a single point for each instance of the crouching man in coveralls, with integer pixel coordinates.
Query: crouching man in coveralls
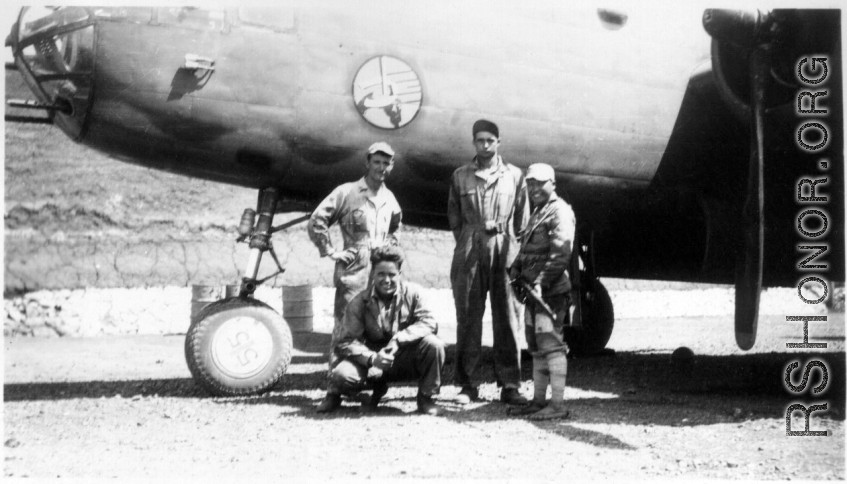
(368, 215)
(387, 334)
(541, 266)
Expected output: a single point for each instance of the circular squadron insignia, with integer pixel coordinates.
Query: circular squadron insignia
(387, 92)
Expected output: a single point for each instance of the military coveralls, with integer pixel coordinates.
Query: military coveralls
(367, 220)
(369, 325)
(543, 261)
(485, 213)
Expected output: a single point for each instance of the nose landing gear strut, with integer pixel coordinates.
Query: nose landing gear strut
(239, 345)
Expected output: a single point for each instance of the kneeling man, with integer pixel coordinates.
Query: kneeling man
(387, 334)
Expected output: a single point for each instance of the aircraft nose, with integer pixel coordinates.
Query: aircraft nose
(54, 50)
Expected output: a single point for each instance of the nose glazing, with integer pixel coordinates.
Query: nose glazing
(54, 50)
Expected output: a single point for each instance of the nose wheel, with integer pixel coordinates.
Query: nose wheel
(238, 346)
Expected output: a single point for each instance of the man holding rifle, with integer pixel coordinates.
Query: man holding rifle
(540, 278)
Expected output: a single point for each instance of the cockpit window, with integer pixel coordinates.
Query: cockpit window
(39, 19)
(54, 50)
(192, 18)
(56, 42)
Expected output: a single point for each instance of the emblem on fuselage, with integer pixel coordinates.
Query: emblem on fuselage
(387, 92)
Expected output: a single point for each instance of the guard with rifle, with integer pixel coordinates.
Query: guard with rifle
(539, 278)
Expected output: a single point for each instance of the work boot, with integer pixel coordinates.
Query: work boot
(551, 412)
(428, 407)
(330, 403)
(533, 407)
(511, 396)
(379, 391)
(467, 395)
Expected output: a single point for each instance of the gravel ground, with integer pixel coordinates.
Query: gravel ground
(125, 407)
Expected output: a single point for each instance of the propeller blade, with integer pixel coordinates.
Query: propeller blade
(748, 276)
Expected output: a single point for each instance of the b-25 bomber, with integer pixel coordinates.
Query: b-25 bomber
(673, 132)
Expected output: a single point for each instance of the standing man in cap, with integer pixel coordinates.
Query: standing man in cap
(368, 215)
(541, 268)
(486, 208)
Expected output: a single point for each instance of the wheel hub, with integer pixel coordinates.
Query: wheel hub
(242, 347)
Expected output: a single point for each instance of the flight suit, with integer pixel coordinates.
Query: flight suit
(543, 260)
(367, 220)
(484, 215)
(369, 325)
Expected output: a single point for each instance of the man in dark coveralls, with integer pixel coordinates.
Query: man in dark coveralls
(486, 209)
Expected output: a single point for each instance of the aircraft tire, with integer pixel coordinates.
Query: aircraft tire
(238, 346)
(598, 321)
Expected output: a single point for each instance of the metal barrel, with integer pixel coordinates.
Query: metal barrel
(297, 307)
(232, 290)
(202, 295)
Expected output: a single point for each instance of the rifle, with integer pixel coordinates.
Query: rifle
(524, 290)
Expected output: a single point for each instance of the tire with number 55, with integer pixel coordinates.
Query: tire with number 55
(238, 346)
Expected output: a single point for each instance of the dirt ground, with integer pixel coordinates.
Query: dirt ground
(126, 407)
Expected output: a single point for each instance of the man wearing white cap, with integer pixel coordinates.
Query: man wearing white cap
(368, 216)
(486, 209)
(542, 265)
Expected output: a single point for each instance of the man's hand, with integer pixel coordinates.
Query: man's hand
(374, 373)
(345, 256)
(385, 357)
(392, 347)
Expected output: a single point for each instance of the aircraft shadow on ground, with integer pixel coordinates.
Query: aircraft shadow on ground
(646, 390)
(169, 387)
(477, 415)
(615, 388)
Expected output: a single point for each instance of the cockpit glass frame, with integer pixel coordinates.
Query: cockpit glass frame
(54, 49)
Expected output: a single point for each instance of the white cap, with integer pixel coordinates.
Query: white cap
(381, 147)
(540, 172)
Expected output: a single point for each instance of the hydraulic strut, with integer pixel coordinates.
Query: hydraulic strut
(259, 235)
(260, 239)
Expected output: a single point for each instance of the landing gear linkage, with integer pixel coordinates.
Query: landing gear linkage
(258, 236)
